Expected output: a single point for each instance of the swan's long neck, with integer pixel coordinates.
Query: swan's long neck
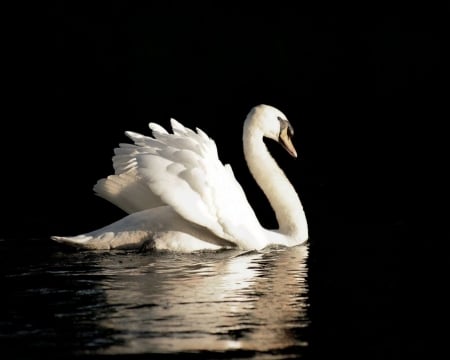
(281, 194)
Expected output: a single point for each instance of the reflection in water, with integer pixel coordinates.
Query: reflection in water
(60, 303)
(209, 301)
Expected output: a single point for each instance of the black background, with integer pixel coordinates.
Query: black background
(364, 87)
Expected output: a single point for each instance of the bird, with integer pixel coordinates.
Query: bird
(180, 197)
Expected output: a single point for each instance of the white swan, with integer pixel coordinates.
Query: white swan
(181, 197)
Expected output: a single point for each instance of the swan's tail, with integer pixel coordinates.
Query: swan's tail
(106, 240)
(80, 241)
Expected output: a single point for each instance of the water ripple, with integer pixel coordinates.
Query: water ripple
(135, 303)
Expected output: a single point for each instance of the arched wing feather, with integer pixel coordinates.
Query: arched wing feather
(183, 170)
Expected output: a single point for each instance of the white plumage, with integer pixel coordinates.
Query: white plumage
(181, 197)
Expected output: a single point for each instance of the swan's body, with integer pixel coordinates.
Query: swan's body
(181, 197)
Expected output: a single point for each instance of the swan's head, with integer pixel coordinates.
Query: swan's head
(273, 124)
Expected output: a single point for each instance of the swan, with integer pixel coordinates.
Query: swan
(180, 196)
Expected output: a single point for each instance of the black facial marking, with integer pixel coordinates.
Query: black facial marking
(286, 124)
(290, 130)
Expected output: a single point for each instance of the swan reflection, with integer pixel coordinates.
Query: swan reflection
(209, 301)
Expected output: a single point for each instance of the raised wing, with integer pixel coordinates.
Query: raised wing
(126, 189)
(183, 170)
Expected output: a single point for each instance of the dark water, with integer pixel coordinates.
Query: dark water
(82, 303)
(362, 295)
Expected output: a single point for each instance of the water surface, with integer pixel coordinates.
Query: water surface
(229, 303)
